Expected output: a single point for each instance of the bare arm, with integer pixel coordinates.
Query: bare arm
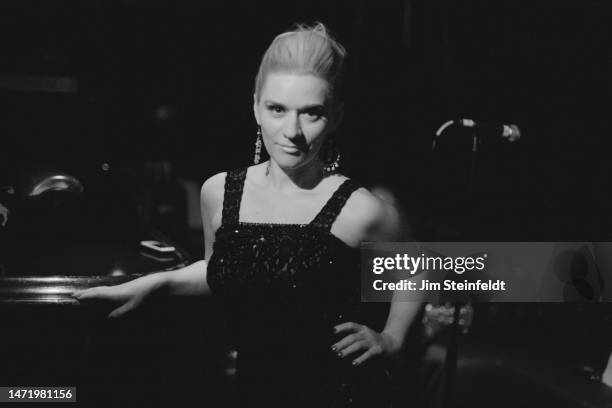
(187, 281)
(363, 343)
(401, 317)
(191, 280)
(401, 313)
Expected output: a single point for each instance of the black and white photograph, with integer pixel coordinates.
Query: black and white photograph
(332, 203)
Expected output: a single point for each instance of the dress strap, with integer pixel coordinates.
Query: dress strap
(328, 214)
(234, 183)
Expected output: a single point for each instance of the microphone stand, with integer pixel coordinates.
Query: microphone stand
(512, 133)
(450, 359)
(452, 346)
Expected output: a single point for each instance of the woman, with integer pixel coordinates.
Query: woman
(282, 241)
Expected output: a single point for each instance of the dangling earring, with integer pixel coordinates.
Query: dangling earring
(332, 158)
(258, 143)
(333, 163)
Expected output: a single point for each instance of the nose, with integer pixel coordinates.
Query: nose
(293, 128)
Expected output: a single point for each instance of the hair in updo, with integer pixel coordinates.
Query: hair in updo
(304, 50)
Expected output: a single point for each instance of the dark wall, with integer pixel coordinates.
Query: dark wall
(173, 81)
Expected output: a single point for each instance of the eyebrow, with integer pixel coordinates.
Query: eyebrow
(302, 109)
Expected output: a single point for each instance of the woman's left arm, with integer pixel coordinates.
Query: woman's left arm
(364, 343)
(401, 316)
(361, 342)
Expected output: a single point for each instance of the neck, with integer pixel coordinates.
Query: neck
(305, 177)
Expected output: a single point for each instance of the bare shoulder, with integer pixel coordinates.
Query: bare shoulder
(212, 189)
(212, 192)
(211, 201)
(365, 209)
(362, 216)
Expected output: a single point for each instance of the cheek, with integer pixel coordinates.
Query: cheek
(270, 134)
(268, 130)
(267, 142)
(269, 124)
(316, 135)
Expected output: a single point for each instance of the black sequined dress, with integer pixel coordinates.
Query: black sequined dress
(285, 286)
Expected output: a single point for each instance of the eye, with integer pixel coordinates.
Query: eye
(314, 114)
(276, 110)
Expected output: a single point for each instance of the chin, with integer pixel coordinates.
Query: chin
(292, 162)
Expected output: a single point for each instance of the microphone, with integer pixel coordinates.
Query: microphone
(510, 132)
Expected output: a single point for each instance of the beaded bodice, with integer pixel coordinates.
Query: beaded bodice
(284, 287)
(278, 279)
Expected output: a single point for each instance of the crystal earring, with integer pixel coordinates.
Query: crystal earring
(332, 159)
(258, 143)
(333, 163)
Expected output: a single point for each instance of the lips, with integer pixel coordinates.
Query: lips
(289, 149)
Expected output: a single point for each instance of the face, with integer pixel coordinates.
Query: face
(295, 115)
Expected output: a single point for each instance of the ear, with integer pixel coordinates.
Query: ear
(255, 110)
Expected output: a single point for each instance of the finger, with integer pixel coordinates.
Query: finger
(77, 293)
(356, 346)
(91, 293)
(345, 342)
(121, 310)
(348, 326)
(364, 357)
(83, 293)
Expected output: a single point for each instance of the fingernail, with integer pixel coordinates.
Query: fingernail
(355, 363)
(339, 354)
(334, 348)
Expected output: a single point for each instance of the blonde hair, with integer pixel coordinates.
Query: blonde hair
(304, 50)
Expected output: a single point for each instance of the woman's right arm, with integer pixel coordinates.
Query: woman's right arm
(187, 281)
(191, 280)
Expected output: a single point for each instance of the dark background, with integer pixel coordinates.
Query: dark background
(164, 97)
(172, 81)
